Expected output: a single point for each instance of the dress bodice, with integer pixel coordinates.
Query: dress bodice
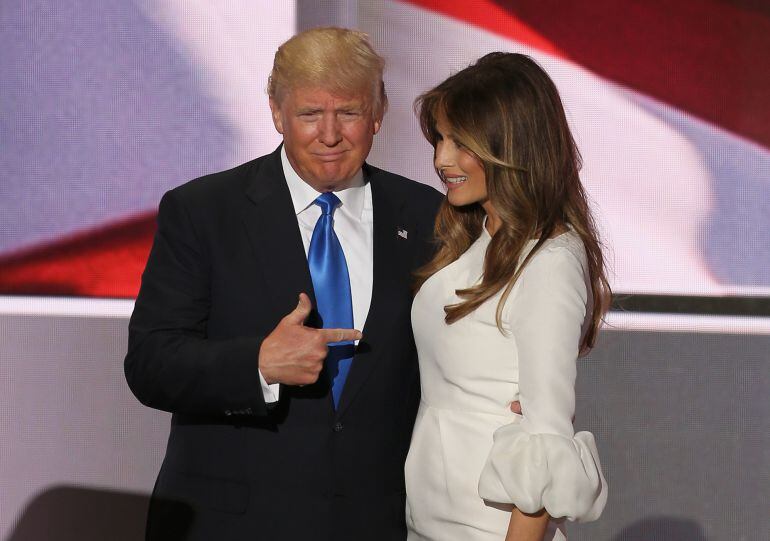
(470, 455)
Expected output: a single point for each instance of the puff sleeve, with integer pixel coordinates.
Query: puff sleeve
(540, 462)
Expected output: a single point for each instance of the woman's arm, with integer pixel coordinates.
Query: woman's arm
(539, 462)
(524, 527)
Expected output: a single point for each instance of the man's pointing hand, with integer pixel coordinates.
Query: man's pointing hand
(294, 354)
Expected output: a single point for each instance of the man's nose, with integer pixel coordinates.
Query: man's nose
(330, 133)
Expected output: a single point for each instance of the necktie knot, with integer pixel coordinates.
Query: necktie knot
(328, 202)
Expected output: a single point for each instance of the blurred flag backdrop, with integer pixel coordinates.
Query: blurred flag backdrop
(107, 104)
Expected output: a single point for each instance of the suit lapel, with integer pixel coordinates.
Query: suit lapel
(387, 288)
(272, 229)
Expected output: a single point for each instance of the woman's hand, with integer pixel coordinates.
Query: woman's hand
(516, 408)
(524, 527)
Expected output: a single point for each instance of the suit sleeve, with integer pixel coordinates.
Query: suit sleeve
(171, 364)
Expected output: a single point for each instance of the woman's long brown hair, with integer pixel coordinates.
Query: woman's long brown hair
(506, 111)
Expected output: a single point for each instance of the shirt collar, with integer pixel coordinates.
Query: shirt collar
(303, 194)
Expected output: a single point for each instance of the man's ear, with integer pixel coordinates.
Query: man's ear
(377, 125)
(275, 110)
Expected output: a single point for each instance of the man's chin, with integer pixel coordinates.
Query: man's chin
(332, 178)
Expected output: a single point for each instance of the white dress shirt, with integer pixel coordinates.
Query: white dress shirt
(353, 224)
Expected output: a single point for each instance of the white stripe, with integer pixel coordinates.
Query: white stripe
(686, 323)
(233, 47)
(66, 306)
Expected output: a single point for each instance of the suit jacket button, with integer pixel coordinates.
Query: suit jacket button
(338, 427)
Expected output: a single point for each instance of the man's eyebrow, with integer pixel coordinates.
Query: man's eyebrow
(309, 109)
(344, 108)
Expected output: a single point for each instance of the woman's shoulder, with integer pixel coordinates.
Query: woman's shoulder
(565, 248)
(556, 273)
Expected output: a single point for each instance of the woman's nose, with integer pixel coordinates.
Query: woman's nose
(442, 156)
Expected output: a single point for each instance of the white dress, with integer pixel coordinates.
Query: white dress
(471, 458)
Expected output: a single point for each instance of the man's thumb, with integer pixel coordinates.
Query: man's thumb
(300, 313)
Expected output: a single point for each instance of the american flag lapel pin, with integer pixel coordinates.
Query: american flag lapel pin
(403, 233)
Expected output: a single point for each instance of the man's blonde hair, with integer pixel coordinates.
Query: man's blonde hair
(336, 59)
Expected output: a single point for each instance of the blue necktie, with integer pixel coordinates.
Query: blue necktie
(331, 283)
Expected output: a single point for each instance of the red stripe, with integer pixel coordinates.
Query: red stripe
(104, 263)
(493, 17)
(707, 57)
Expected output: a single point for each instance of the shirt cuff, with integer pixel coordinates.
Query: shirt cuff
(269, 390)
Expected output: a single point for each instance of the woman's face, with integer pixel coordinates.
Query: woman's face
(460, 170)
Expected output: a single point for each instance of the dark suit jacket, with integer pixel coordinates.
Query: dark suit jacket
(226, 265)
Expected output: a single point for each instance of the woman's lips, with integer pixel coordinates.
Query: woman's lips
(452, 181)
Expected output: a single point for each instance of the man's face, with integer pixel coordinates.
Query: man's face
(327, 136)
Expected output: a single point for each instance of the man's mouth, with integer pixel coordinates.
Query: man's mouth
(330, 157)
